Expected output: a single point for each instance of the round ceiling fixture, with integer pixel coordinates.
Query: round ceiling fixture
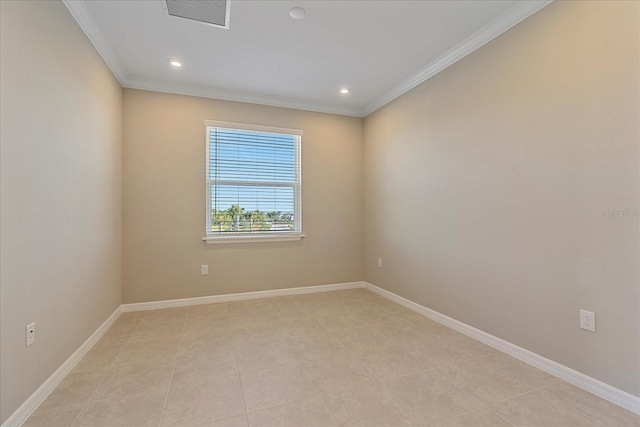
(345, 90)
(297, 12)
(175, 63)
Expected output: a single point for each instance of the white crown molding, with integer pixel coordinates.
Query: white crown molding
(238, 96)
(585, 382)
(504, 22)
(82, 16)
(31, 404)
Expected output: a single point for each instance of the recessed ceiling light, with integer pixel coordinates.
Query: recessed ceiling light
(344, 90)
(175, 63)
(297, 12)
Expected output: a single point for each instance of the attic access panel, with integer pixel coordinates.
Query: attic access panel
(212, 12)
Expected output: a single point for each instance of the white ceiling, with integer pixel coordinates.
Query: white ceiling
(379, 49)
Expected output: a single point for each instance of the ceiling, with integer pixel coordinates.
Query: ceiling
(378, 49)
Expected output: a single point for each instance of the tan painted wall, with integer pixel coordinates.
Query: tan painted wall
(486, 189)
(164, 202)
(61, 133)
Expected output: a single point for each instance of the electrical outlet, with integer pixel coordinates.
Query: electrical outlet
(30, 334)
(588, 320)
(204, 270)
(379, 262)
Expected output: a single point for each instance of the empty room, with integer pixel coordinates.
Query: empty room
(319, 213)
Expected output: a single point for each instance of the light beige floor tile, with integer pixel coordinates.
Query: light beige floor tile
(74, 389)
(60, 417)
(374, 317)
(479, 418)
(287, 300)
(292, 308)
(265, 389)
(207, 316)
(522, 373)
(339, 323)
(122, 381)
(164, 315)
(126, 323)
(368, 406)
(240, 421)
(292, 349)
(194, 401)
(473, 347)
(338, 373)
(307, 413)
(100, 357)
(155, 330)
(392, 363)
(256, 320)
(482, 380)
(259, 332)
(303, 327)
(207, 361)
(465, 343)
(403, 332)
(143, 410)
(436, 353)
(364, 341)
(251, 309)
(533, 409)
(140, 351)
(203, 323)
(117, 335)
(603, 413)
(430, 396)
(261, 356)
(313, 348)
(219, 338)
(331, 309)
(219, 309)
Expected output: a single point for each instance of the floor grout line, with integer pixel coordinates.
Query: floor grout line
(249, 336)
(173, 370)
(106, 372)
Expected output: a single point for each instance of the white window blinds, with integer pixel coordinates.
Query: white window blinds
(253, 181)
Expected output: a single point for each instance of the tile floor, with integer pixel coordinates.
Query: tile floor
(343, 358)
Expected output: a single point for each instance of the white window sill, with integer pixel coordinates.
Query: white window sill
(271, 237)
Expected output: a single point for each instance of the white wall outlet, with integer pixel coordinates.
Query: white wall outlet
(588, 320)
(379, 262)
(31, 333)
(204, 270)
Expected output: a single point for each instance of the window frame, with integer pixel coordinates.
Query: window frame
(269, 236)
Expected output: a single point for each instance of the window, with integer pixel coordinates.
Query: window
(253, 183)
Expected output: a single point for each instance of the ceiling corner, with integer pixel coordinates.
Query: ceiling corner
(501, 24)
(82, 16)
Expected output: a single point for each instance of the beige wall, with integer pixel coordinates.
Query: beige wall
(60, 114)
(164, 202)
(486, 187)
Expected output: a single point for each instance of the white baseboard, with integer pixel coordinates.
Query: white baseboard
(31, 404)
(585, 382)
(185, 302)
(605, 391)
